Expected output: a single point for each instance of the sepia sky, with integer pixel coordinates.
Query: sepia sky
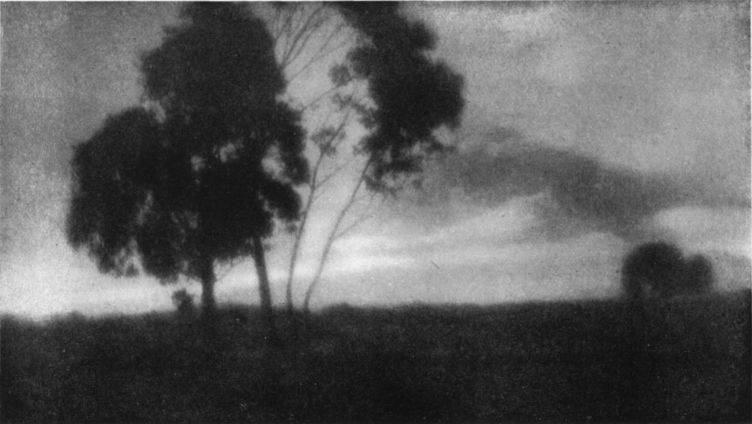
(589, 127)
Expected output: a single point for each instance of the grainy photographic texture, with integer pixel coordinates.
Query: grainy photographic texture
(359, 212)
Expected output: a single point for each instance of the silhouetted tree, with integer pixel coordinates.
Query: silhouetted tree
(655, 268)
(197, 180)
(388, 82)
(408, 96)
(698, 274)
(659, 269)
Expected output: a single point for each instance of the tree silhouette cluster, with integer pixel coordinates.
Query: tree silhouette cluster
(197, 179)
(198, 175)
(659, 269)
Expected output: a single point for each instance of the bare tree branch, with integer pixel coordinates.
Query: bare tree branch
(363, 217)
(299, 236)
(332, 236)
(287, 21)
(325, 179)
(305, 214)
(318, 98)
(321, 53)
(300, 34)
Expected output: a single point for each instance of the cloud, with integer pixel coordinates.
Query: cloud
(564, 63)
(480, 270)
(575, 193)
(497, 236)
(660, 87)
(706, 229)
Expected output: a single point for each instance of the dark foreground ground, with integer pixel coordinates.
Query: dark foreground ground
(685, 359)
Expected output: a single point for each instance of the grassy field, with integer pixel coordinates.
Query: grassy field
(684, 359)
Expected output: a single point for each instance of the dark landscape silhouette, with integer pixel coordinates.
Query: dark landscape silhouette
(539, 161)
(686, 360)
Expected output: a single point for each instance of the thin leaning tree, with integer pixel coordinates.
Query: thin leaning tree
(196, 179)
(387, 83)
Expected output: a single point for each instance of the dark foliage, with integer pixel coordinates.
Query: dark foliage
(412, 93)
(201, 179)
(659, 269)
(112, 174)
(652, 268)
(687, 361)
(699, 274)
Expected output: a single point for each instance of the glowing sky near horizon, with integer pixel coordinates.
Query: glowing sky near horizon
(643, 95)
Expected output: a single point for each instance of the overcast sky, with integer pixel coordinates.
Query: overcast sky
(588, 128)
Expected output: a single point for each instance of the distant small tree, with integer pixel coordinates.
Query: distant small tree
(198, 179)
(659, 269)
(698, 274)
(655, 269)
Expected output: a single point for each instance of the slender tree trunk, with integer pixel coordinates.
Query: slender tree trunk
(298, 237)
(265, 295)
(333, 234)
(304, 218)
(296, 246)
(208, 302)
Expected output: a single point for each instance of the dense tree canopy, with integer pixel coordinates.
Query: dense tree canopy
(659, 269)
(699, 272)
(198, 177)
(412, 94)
